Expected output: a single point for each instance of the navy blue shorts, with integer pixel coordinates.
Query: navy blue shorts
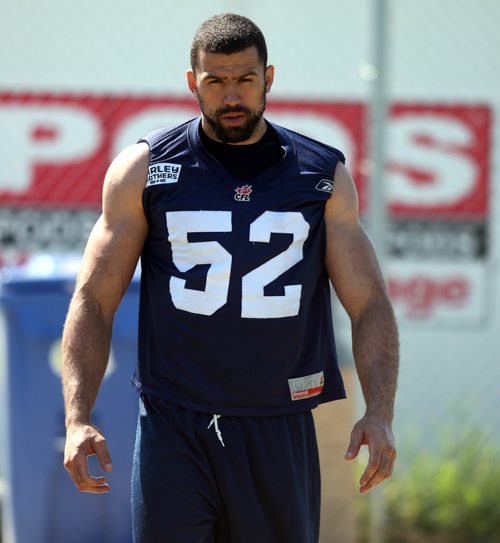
(201, 479)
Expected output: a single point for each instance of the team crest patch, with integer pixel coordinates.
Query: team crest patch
(325, 185)
(307, 386)
(163, 172)
(243, 193)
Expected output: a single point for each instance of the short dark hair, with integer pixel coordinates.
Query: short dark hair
(227, 33)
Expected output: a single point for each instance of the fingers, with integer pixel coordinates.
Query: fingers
(376, 433)
(101, 450)
(379, 468)
(80, 444)
(78, 471)
(95, 485)
(354, 444)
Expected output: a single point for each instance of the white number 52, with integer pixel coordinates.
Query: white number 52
(254, 304)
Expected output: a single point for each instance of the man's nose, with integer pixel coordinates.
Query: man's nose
(232, 96)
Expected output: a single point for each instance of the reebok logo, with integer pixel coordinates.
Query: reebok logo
(306, 386)
(163, 172)
(325, 185)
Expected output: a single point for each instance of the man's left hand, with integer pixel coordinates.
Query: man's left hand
(375, 432)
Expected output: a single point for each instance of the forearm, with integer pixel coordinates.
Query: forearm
(376, 354)
(85, 353)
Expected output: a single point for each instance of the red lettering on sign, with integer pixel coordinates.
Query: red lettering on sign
(438, 163)
(55, 149)
(420, 295)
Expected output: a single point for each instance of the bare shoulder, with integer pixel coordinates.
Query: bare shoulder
(350, 259)
(343, 203)
(116, 241)
(126, 176)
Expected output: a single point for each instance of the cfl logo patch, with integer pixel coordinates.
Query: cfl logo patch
(243, 193)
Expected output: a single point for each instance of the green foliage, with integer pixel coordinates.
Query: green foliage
(448, 495)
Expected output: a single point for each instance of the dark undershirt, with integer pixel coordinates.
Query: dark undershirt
(246, 162)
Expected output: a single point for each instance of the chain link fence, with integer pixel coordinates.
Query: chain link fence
(80, 82)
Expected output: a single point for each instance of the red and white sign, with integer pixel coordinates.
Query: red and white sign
(55, 149)
(438, 292)
(438, 160)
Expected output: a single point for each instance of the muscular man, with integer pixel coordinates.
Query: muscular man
(240, 226)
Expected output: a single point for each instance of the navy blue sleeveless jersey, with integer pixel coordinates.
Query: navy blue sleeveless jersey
(235, 314)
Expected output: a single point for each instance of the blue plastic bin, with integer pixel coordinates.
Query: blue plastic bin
(41, 504)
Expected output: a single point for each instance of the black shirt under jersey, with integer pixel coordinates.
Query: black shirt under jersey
(246, 162)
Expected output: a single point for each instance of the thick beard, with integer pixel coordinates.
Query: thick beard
(236, 134)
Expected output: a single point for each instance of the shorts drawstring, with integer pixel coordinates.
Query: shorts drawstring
(216, 426)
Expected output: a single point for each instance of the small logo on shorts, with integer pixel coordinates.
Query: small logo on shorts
(307, 386)
(325, 185)
(163, 172)
(243, 193)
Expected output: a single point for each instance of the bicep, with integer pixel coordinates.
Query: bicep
(116, 241)
(109, 262)
(350, 258)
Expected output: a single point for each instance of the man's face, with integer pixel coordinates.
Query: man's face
(231, 91)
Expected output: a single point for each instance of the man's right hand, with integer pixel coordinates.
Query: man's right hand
(82, 441)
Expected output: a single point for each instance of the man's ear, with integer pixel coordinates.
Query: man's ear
(191, 81)
(269, 76)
